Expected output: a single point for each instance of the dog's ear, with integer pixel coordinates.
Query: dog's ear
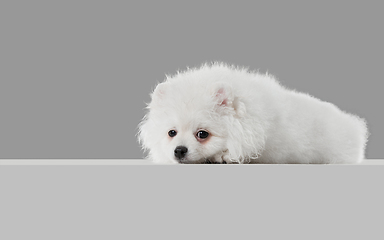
(225, 99)
(159, 92)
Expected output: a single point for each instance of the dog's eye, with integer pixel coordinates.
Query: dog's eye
(172, 133)
(202, 134)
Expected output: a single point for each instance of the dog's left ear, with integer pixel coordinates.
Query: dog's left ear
(226, 99)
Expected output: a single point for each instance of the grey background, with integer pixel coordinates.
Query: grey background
(75, 75)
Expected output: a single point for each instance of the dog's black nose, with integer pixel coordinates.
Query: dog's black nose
(180, 152)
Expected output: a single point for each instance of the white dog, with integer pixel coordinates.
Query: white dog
(223, 114)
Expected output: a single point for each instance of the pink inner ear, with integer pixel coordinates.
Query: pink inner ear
(223, 100)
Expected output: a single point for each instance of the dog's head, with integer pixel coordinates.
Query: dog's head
(189, 120)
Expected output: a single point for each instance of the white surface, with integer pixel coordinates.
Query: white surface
(115, 162)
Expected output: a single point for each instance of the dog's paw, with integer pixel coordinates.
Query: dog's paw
(222, 158)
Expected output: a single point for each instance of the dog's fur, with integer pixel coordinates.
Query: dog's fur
(250, 118)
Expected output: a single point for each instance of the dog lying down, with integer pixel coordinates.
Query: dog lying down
(224, 114)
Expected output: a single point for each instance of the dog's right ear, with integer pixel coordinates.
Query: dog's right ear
(159, 92)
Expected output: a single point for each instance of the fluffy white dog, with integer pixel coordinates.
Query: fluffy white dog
(224, 114)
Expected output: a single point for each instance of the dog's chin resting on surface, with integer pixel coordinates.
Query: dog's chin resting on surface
(224, 114)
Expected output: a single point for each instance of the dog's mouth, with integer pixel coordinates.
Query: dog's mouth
(202, 161)
(208, 161)
(187, 161)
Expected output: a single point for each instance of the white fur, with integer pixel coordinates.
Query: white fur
(251, 119)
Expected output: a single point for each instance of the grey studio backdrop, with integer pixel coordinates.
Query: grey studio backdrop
(75, 75)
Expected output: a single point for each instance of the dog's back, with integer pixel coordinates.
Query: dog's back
(308, 130)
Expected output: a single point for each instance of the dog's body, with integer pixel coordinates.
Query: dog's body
(225, 114)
